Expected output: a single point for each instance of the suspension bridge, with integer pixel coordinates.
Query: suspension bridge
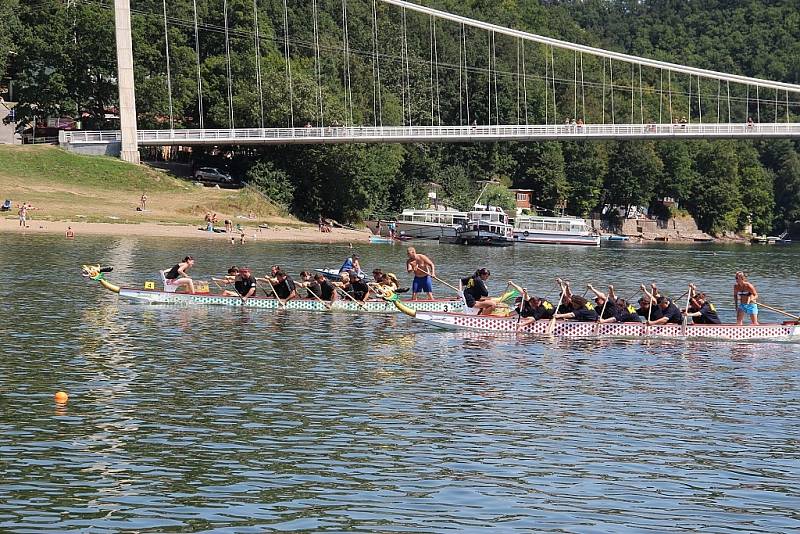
(550, 95)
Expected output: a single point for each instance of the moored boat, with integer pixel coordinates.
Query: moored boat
(154, 296)
(485, 226)
(554, 231)
(789, 330)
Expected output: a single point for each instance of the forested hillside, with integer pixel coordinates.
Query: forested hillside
(63, 64)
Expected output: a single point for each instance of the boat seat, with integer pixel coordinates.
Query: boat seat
(169, 285)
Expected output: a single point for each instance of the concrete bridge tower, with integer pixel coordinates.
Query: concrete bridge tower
(127, 97)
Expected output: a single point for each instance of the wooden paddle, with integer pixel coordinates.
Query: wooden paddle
(327, 306)
(552, 324)
(686, 313)
(282, 303)
(596, 331)
(454, 288)
(778, 310)
(351, 297)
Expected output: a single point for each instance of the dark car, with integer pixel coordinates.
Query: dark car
(212, 176)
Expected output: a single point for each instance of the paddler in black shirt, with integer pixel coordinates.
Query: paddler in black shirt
(358, 289)
(648, 307)
(624, 312)
(701, 311)
(604, 305)
(669, 313)
(245, 284)
(311, 286)
(476, 295)
(582, 310)
(284, 288)
(326, 289)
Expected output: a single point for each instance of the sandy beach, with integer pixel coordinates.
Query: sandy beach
(306, 234)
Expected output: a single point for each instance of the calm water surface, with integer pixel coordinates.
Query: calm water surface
(237, 420)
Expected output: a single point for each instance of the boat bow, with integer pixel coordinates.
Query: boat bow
(97, 273)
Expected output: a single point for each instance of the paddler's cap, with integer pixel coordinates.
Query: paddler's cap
(392, 277)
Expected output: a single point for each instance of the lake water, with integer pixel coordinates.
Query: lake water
(242, 420)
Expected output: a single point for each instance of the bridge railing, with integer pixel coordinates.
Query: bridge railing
(332, 134)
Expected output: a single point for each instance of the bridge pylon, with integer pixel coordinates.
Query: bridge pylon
(125, 82)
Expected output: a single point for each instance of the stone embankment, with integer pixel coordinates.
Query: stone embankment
(679, 229)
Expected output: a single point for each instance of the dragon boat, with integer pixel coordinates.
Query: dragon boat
(150, 295)
(457, 320)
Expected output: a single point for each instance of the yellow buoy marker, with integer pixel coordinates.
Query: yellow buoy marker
(61, 397)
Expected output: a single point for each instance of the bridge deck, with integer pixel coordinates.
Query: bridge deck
(451, 134)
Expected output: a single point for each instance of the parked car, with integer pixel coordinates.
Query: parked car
(212, 175)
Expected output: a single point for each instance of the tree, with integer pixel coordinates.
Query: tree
(541, 169)
(586, 167)
(633, 169)
(271, 181)
(757, 186)
(716, 201)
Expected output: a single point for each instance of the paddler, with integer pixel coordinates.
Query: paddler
(604, 305)
(359, 289)
(423, 268)
(624, 311)
(326, 288)
(670, 314)
(582, 310)
(700, 309)
(532, 308)
(648, 307)
(284, 287)
(245, 284)
(177, 276)
(476, 294)
(309, 284)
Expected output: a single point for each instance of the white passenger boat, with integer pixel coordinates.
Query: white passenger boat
(431, 223)
(554, 231)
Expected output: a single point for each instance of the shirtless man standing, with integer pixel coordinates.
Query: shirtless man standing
(423, 269)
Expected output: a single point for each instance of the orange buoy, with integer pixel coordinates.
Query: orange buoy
(61, 397)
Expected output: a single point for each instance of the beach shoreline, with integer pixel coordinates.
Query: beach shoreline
(253, 233)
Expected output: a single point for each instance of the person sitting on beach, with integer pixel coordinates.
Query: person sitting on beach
(178, 277)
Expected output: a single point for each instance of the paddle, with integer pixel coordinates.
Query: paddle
(351, 297)
(327, 306)
(596, 331)
(215, 280)
(645, 330)
(282, 303)
(686, 313)
(778, 310)
(454, 288)
(552, 324)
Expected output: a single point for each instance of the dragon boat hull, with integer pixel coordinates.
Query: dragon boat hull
(573, 329)
(206, 299)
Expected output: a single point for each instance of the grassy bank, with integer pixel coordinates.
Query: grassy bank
(70, 187)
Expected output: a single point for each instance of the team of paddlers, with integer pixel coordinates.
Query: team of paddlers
(653, 307)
